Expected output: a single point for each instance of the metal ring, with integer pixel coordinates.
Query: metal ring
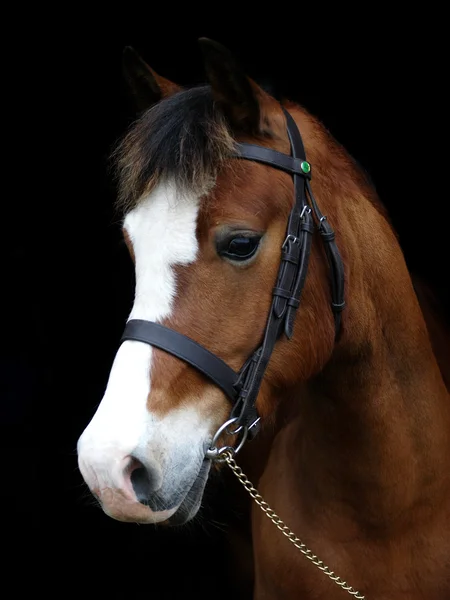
(214, 453)
(234, 431)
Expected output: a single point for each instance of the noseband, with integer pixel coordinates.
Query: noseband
(242, 388)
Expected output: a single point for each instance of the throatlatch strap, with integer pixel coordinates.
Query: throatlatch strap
(336, 265)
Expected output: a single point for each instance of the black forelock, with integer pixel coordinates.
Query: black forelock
(183, 138)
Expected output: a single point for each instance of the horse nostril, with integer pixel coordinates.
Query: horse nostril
(143, 481)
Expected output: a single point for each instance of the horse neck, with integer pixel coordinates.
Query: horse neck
(373, 428)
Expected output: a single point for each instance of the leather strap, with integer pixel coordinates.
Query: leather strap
(267, 156)
(186, 349)
(291, 275)
(337, 273)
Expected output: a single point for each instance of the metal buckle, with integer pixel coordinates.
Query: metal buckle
(290, 238)
(305, 209)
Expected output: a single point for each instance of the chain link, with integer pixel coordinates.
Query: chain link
(272, 515)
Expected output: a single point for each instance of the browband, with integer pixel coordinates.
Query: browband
(275, 159)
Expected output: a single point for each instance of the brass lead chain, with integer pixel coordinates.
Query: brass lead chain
(272, 515)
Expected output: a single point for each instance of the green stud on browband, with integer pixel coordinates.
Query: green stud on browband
(305, 166)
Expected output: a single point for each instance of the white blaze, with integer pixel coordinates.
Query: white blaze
(162, 230)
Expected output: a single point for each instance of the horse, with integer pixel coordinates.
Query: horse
(343, 425)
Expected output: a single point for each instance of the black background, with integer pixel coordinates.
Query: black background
(376, 78)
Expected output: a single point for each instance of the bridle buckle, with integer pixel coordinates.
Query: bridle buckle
(305, 210)
(290, 238)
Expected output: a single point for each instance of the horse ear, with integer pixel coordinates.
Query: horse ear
(145, 85)
(236, 94)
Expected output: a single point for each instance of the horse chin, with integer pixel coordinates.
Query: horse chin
(193, 498)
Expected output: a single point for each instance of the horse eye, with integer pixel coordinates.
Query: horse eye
(240, 247)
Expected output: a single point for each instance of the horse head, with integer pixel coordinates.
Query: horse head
(205, 232)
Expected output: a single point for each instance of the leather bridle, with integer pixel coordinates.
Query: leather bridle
(242, 388)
